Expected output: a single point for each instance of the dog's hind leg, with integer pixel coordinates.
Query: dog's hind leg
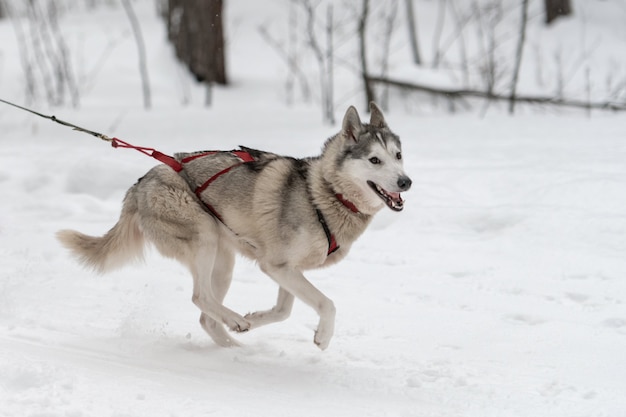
(209, 261)
(173, 219)
(199, 251)
(221, 277)
(281, 311)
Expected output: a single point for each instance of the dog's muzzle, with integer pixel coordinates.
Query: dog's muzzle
(393, 200)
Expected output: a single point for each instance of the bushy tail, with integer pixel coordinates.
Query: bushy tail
(120, 245)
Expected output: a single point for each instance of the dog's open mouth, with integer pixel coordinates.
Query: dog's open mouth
(393, 200)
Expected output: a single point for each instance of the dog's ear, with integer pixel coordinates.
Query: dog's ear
(351, 126)
(376, 116)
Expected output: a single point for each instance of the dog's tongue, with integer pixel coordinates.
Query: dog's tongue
(394, 201)
(395, 197)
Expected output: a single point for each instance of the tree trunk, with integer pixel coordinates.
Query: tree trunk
(410, 16)
(141, 52)
(330, 108)
(195, 28)
(556, 8)
(369, 91)
(518, 55)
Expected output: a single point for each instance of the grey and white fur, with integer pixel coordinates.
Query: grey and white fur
(271, 211)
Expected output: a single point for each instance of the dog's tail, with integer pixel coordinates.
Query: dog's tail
(120, 245)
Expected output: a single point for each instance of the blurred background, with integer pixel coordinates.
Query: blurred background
(419, 55)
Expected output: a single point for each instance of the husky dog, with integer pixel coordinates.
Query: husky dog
(287, 214)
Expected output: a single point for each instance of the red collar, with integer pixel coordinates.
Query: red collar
(347, 203)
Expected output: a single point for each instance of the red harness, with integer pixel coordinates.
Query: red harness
(244, 157)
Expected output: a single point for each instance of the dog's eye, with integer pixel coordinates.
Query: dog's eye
(399, 155)
(374, 160)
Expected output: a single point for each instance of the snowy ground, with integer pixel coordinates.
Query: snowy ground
(499, 291)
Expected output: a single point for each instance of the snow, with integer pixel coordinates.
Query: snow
(500, 290)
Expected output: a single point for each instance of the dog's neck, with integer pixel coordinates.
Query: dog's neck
(346, 216)
(351, 196)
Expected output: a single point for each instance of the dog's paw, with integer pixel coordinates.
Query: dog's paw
(241, 329)
(322, 339)
(326, 327)
(240, 326)
(256, 319)
(251, 316)
(261, 318)
(217, 332)
(237, 324)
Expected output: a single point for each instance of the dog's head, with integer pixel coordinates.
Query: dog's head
(372, 159)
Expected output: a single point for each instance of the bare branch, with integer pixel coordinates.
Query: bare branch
(290, 59)
(325, 71)
(466, 93)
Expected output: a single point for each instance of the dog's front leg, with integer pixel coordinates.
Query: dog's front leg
(280, 312)
(295, 283)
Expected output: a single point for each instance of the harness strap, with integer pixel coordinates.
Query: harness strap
(332, 243)
(161, 157)
(349, 204)
(208, 182)
(242, 155)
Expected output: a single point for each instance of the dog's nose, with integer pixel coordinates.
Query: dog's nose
(404, 183)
